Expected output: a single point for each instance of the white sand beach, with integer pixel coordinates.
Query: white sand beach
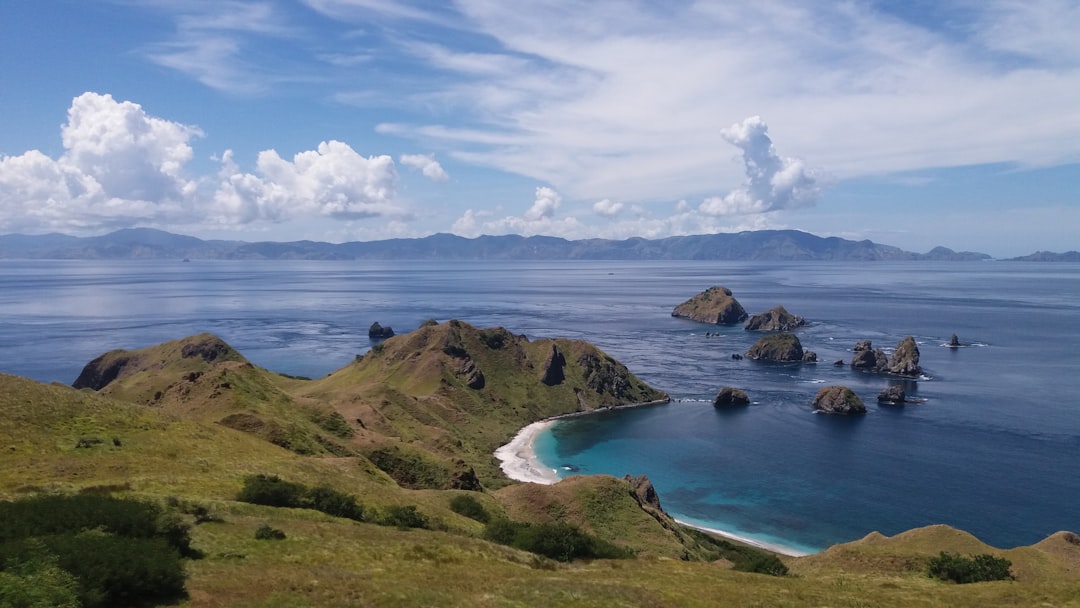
(519, 460)
(775, 548)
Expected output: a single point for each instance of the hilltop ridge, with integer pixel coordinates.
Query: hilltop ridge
(776, 245)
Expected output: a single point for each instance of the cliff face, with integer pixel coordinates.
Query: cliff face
(715, 305)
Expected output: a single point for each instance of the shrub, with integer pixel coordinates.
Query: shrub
(410, 468)
(558, 541)
(38, 583)
(466, 505)
(265, 532)
(404, 517)
(977, 568)
(271, 491)
(333, 502)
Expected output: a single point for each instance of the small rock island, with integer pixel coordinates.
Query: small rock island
(903, 362)
(774, 319)
(838, 399)
(715, 305)
(731, 397)
(782, 347)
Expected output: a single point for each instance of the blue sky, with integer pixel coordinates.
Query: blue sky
(915, 124)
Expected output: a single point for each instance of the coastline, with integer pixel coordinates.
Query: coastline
(519, 462)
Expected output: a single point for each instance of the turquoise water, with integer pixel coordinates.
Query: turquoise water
(994, 449)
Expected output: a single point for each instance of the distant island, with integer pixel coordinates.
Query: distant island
(763, 245)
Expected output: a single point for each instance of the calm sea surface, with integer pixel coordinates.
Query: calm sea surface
(994, 450)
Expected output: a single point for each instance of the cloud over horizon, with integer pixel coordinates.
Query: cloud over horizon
(772, 182)
(122, 167)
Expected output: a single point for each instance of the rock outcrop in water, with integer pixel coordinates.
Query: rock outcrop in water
(865, 356)
(731, 397)
(905, 359)
(838, 400)
(775, 319)
(783, 347)
(893, 394)
(378, 332)
(903, 362)
(715, 305)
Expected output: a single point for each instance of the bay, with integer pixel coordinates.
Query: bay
(993, 450)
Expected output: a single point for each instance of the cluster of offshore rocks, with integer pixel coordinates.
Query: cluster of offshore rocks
(717, 305)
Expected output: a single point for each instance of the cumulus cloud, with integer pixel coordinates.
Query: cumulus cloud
(333, 180)
(607, 208)
(539, 218)
(772, 182)
(123, 167)
(427, 165)
(119, 166)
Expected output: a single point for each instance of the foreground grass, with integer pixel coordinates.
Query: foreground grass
(329, 562)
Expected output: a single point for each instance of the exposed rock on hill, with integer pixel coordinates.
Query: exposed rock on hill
(731, 397)
(715, 305)
(553, 370)
(119, 364)
(777, 347)
(838, 400)
(775, 319)
(643, 492)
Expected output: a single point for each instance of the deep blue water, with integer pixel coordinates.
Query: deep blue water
(994, 449)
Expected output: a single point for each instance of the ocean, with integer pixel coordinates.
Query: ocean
(994, 448)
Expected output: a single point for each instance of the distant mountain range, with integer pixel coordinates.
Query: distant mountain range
(767, 245)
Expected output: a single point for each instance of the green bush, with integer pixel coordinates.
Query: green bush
(558, 541)
(38, 583)
(265, 532)
(466, 505)
(332, 502)
(743, 557)
(411, 468)
(272, 491)
(975, 569)
(404, 517)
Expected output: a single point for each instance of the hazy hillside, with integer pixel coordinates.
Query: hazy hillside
(757, 245)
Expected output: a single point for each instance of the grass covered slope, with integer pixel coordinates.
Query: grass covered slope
(422, 397)
(460, 392)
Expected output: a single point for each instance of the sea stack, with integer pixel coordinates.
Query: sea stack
(783, 347)
(715, 305)
(905, 359)
(775, 319)
(731, 397)
(838, 400)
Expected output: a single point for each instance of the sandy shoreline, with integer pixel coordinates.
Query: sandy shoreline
(518, 458)
(519, 462)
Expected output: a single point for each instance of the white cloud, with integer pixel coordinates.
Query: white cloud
(333, 180)
(123, 167)
(427, 164)
(607, 207)
(539, 218)
(772, 182)
(544, 206)
(119, 166)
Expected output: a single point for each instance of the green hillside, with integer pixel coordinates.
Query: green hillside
(161, 425)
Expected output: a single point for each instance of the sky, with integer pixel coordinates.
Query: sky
(915, 124)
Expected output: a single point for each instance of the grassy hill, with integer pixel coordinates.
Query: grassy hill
(159, 424)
